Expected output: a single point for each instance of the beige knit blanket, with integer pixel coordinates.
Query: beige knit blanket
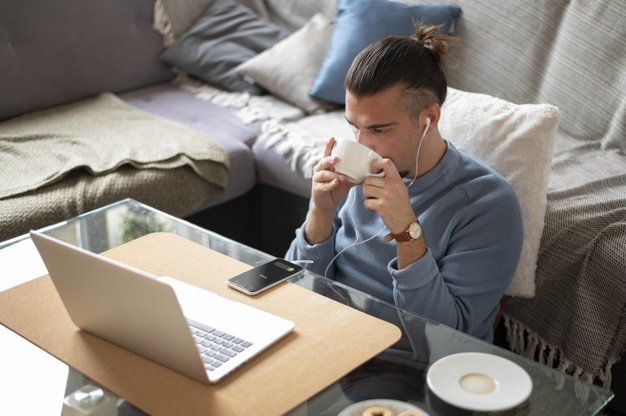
(99, 135)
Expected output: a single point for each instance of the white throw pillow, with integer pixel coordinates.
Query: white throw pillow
(288, 68)
(518, 142)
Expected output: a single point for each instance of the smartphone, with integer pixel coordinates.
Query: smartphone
(264, 276)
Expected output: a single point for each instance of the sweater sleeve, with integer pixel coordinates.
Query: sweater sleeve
(320, 254)
(463, 288)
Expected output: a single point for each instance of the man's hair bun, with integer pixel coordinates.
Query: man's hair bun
(434, 41)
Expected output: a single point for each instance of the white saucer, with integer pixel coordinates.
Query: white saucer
(395, 406)
(480, 382)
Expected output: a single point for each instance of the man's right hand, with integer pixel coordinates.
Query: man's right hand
(328, 188)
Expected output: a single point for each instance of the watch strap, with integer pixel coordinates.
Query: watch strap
(402, 236)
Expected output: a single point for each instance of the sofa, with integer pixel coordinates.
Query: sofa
(228, 139)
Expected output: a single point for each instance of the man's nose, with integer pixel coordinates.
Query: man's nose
(365, 138)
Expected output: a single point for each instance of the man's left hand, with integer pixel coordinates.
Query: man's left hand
(389, 197)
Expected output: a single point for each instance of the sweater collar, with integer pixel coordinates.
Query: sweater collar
(446, 164)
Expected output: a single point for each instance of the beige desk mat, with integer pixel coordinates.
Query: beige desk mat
(329, 339)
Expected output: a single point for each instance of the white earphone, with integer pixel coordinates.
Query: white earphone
(419, 146)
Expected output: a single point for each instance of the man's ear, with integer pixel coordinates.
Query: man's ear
(433, 112)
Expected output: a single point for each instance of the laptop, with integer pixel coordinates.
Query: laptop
(193, 331)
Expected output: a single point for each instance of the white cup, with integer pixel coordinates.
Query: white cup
(355, 160)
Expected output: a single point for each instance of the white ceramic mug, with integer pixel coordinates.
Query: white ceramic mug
(355, 160)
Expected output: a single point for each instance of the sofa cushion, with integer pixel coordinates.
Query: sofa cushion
(286, 152)
(57, 51)
(292, 14)
(288, 68)
(361, 22)
(219, 123)
(588, 81)
(226, 35)
(170, 101)
(557, 59)
(503, 47)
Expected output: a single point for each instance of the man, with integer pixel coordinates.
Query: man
(454, 224)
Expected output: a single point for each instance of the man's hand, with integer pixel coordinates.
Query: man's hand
(327, 190)
(389, 197)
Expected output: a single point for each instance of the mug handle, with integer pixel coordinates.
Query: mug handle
(374, 156)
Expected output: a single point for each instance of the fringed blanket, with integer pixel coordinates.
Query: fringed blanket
(99, 135)
(577, 320)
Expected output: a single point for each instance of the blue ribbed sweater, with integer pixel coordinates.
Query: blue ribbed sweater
(472, 224)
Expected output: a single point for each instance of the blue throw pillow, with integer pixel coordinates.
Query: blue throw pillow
(362, 22)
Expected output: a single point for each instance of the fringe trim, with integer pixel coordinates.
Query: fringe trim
(252, 108)
(301, 150)
(208, 93)
(269, 107)
(527, 343)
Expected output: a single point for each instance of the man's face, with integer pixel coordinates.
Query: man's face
(382, 123)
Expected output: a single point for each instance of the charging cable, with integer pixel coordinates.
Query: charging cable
(356, 239)
(302, 262)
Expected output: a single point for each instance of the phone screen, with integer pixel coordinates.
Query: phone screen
(264, 276)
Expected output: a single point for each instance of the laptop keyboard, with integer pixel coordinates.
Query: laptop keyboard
(216, 347)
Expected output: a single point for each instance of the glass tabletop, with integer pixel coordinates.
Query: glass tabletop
(399, 373)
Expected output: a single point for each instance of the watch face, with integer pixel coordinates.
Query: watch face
(415, 231)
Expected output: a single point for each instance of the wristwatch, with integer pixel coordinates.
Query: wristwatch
(413, 232)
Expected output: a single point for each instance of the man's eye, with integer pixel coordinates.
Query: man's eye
(378, 131)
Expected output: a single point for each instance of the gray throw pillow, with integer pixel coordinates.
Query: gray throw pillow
(226, 35)
(288, 68)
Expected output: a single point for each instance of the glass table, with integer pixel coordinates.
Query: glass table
(33, 382)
